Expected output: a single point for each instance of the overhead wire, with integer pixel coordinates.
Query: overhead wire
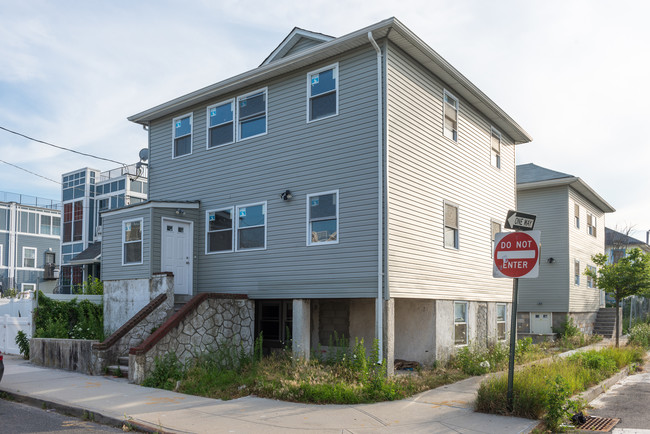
(29, 171)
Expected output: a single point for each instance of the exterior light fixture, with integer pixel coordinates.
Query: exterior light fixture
(550, 260)
(180, 212)
(286, 195)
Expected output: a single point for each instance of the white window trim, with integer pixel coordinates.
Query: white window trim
(335, 67)
(207, 230)
(576, 262)
(35, 257)
(590, 280)
(234, 123)
(266, 114)
(236, 218)
(505, 321)
(338, 233)
(446, 92)
(494, 131)
(191, 116)
(141, 220)
(22, 286)
(1, 258)
(466, 323)
(444, 225)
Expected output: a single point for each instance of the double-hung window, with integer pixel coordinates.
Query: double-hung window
(576, 215)
(460, 322)
(451, 226)
(591, 225)
(251, 226)
(590, 280)
(576, 272)
(496, 148)
(450, 116)
(322, 218)
(501, 321)
(220, 231)
(322, 90)
(221, 125)
(182, 135)
(132, 242)
(29, 257)
(251, 114)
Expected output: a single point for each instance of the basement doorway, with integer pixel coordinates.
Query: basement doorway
(274, 320)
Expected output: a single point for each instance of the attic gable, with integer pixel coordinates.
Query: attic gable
(298, 40)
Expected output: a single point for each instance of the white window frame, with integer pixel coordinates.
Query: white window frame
(234, 232)
(466, 322)
(335, 67)
(505, 321)
(177, 118)
(236, 217)
(1, 258)
(446, 94)
(444, 226)
(592, 227)
(576, 216)
(23, 285)
(338, 233)
(576, 276)
(266, 114)
(495, 155)
(208, 127)
(141, 241)
(35, 256)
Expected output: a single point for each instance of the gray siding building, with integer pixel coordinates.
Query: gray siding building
(349, 185)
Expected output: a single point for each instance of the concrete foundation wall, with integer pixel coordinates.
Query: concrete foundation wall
(124, 298)
(69, 354)
(415, 330)
(355, 319)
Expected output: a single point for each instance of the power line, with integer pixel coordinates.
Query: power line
(59, 147)
(29, 171)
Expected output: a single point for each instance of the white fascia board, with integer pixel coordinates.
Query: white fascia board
(147, 205)
(574, 182)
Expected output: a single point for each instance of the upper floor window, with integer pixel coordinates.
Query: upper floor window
(590, 280)
(251, 114)
(450, 115)
(460, 322)
(182, 135)
(132, 242)
(221, 126)
(591, 225)
(451, 226)
(322, 92)
(29, 257)
(576, 215)
(73, 221)
(251, 226)
(322, 218)
(220, 231)
(496, 148)
(576, 272)
(617, 254)
(501, 321)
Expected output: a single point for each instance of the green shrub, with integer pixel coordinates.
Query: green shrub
(166, 372)
(68, 319)
(568, 328)
(640, 335)
(558, 406)
(23, 344)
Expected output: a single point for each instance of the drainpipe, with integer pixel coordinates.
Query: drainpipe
(379, 307)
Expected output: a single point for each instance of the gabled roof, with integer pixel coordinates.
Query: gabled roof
(296, 35)
(614, 238)
(394, 31)
(530, 176)
(89, 256)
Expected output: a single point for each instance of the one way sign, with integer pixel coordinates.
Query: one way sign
(519, 220)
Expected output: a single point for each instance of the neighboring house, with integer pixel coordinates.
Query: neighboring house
(85, 194)
(349, 185)
(618, 243)
(29, 242)
(571, 218)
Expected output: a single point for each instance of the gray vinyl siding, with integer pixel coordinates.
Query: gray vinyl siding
(303, 44)
(583, 247)
(339, 152)
(112, 268)
(555, 281)
(425, 169)
(40, 243)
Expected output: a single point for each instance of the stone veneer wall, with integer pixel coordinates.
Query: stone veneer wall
(203, 324)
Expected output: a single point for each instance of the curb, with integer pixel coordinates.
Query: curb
(600, 388)
(81, 413)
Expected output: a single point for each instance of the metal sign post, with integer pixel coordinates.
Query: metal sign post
(513, 343)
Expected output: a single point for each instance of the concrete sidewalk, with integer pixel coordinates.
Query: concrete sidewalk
(447, 409)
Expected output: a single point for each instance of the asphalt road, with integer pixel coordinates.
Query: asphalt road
(20, 418)
(628, 400)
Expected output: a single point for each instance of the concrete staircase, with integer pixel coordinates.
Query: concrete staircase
(122, 367)
(606, 322)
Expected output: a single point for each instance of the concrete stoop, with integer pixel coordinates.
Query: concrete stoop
(122, 366)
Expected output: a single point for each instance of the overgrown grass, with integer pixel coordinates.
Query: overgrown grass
(640, 335)
(536, 385)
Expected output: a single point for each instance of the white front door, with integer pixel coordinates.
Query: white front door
(176, 253)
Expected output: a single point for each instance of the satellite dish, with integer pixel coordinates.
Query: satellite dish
(144, 154)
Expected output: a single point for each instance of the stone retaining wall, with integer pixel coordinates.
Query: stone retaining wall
(203, 324)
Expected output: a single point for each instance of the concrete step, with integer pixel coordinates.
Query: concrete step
(113, 370)
(123, 361)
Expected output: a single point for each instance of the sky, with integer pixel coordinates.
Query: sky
(573, 74)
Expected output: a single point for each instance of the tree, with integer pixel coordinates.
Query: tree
(630, 275)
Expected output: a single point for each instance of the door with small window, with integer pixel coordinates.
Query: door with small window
(274, 321)
(176, 253)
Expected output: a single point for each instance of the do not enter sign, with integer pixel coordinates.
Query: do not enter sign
(516, 254)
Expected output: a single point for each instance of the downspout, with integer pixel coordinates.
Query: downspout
(379, 306)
